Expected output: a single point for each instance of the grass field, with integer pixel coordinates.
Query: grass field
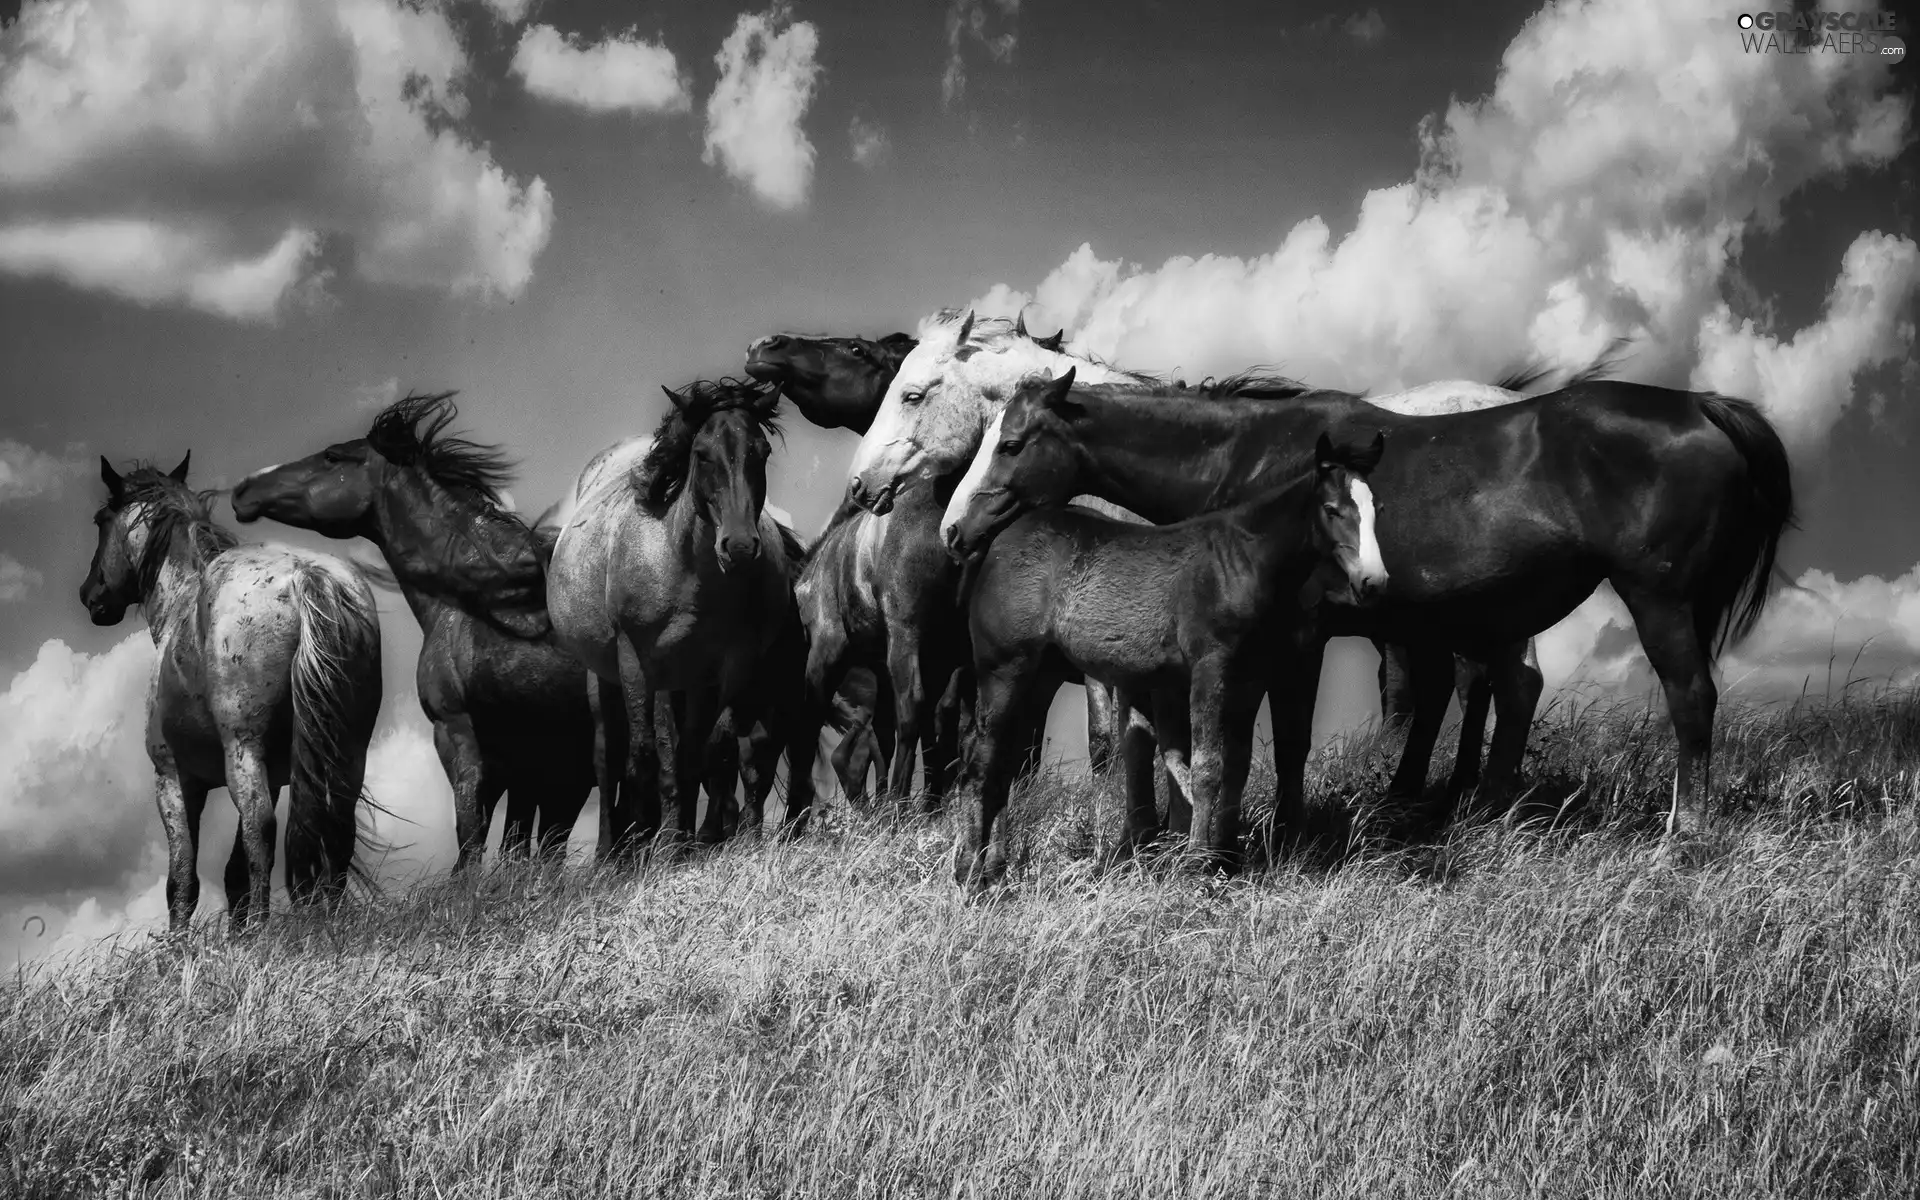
(1536, 1006)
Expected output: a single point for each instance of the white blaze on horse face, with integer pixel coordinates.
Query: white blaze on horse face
(1370, 570)
(971, 481)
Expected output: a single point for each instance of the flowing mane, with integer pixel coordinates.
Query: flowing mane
(663, 472)
(412, 432)
(173, 510)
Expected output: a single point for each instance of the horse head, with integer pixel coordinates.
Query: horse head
(1026, 462)
(119, 574)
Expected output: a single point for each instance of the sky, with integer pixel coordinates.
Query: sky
(237, 229)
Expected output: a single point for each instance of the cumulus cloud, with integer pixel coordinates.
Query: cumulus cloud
(624, 73)
(967, 26)
(1366, 28)
(509, 12)
(26, 472)
(17, 579)
(228, 159)
(1547, 219)
(868, 141)
(767, 80)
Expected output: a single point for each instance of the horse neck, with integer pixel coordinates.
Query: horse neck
(1166, 459)
(1279, 526)
(690, 532)
(410, 513)
(175, 593)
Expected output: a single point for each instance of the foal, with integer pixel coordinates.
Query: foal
(1189, 618)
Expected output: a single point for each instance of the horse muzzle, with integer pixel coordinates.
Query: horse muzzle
(878, 503)
(736, 552)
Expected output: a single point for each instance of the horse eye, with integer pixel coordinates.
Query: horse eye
(1010, 447)
(912, 397)
(1332, 510)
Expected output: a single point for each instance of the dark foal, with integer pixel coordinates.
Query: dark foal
(1188, 620)
(510, 717)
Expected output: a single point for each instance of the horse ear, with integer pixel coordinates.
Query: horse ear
(1053, 341)
(674, 399)
(966, 327)
(179, 473)
(111, 478)
(1371, 459)
(1323, 451)
(768, 401)
(1059, 397)
(1020, 324)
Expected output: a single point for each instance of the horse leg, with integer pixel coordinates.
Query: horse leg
(640, 791)
(459, 749)
(1140, 821)
(181, 801)
(909, 699)
(252, 794)
(523, 805)
(1516, 682)
(1677, 647)
(943, 744)
(1102, 702)
(723, 763)
(560, 806)
(1000, 720)
(1396, 684)
(1173, 730)
(610, 739)
(1472, 683)
(802, 725)
(851, 759)
(1432, 672)
(695, 719)
(1291, 692)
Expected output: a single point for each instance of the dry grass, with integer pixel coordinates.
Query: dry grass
(1514, 1008)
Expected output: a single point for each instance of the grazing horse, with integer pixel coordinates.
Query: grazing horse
(267, 676)
(839, 382)
(879, 593)
(1494, 524)
(509, 715)
(1187, 619)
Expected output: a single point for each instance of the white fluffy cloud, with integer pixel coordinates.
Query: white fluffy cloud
(624, 73)
(767, 80)
(509, 12)
(194, 152)
(26, 472)
(1603, 189)
(17, 579)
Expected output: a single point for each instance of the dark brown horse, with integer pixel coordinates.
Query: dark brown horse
(1186, 619)
(267, 676)
(1494, 525)
(509, 715)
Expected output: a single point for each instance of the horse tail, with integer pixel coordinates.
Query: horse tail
(336, 699)
(1741, 569)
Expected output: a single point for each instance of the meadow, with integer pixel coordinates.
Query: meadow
(1534, 1003)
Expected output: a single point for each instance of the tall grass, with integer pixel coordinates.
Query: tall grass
(1530, 1003)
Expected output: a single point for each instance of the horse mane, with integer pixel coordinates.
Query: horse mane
(174, 509)
(412, 432)
(663, 472)
(1525, 375)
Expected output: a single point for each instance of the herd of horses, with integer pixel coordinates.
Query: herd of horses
(1018, 517)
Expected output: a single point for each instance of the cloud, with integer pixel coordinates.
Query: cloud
(26, 472)
(1816, 637)
(17, 579)
(869, 141)
(76, 787)
(377, 395)
(624, 73)
(767, 79)
(509, 12)
(967, 22)
(1366, 28)
(1547, 219)
(229, 159)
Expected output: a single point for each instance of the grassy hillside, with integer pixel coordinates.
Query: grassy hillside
(1523, 1007)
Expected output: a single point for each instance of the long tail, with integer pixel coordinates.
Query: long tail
(1739, 578)
(336, 699)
